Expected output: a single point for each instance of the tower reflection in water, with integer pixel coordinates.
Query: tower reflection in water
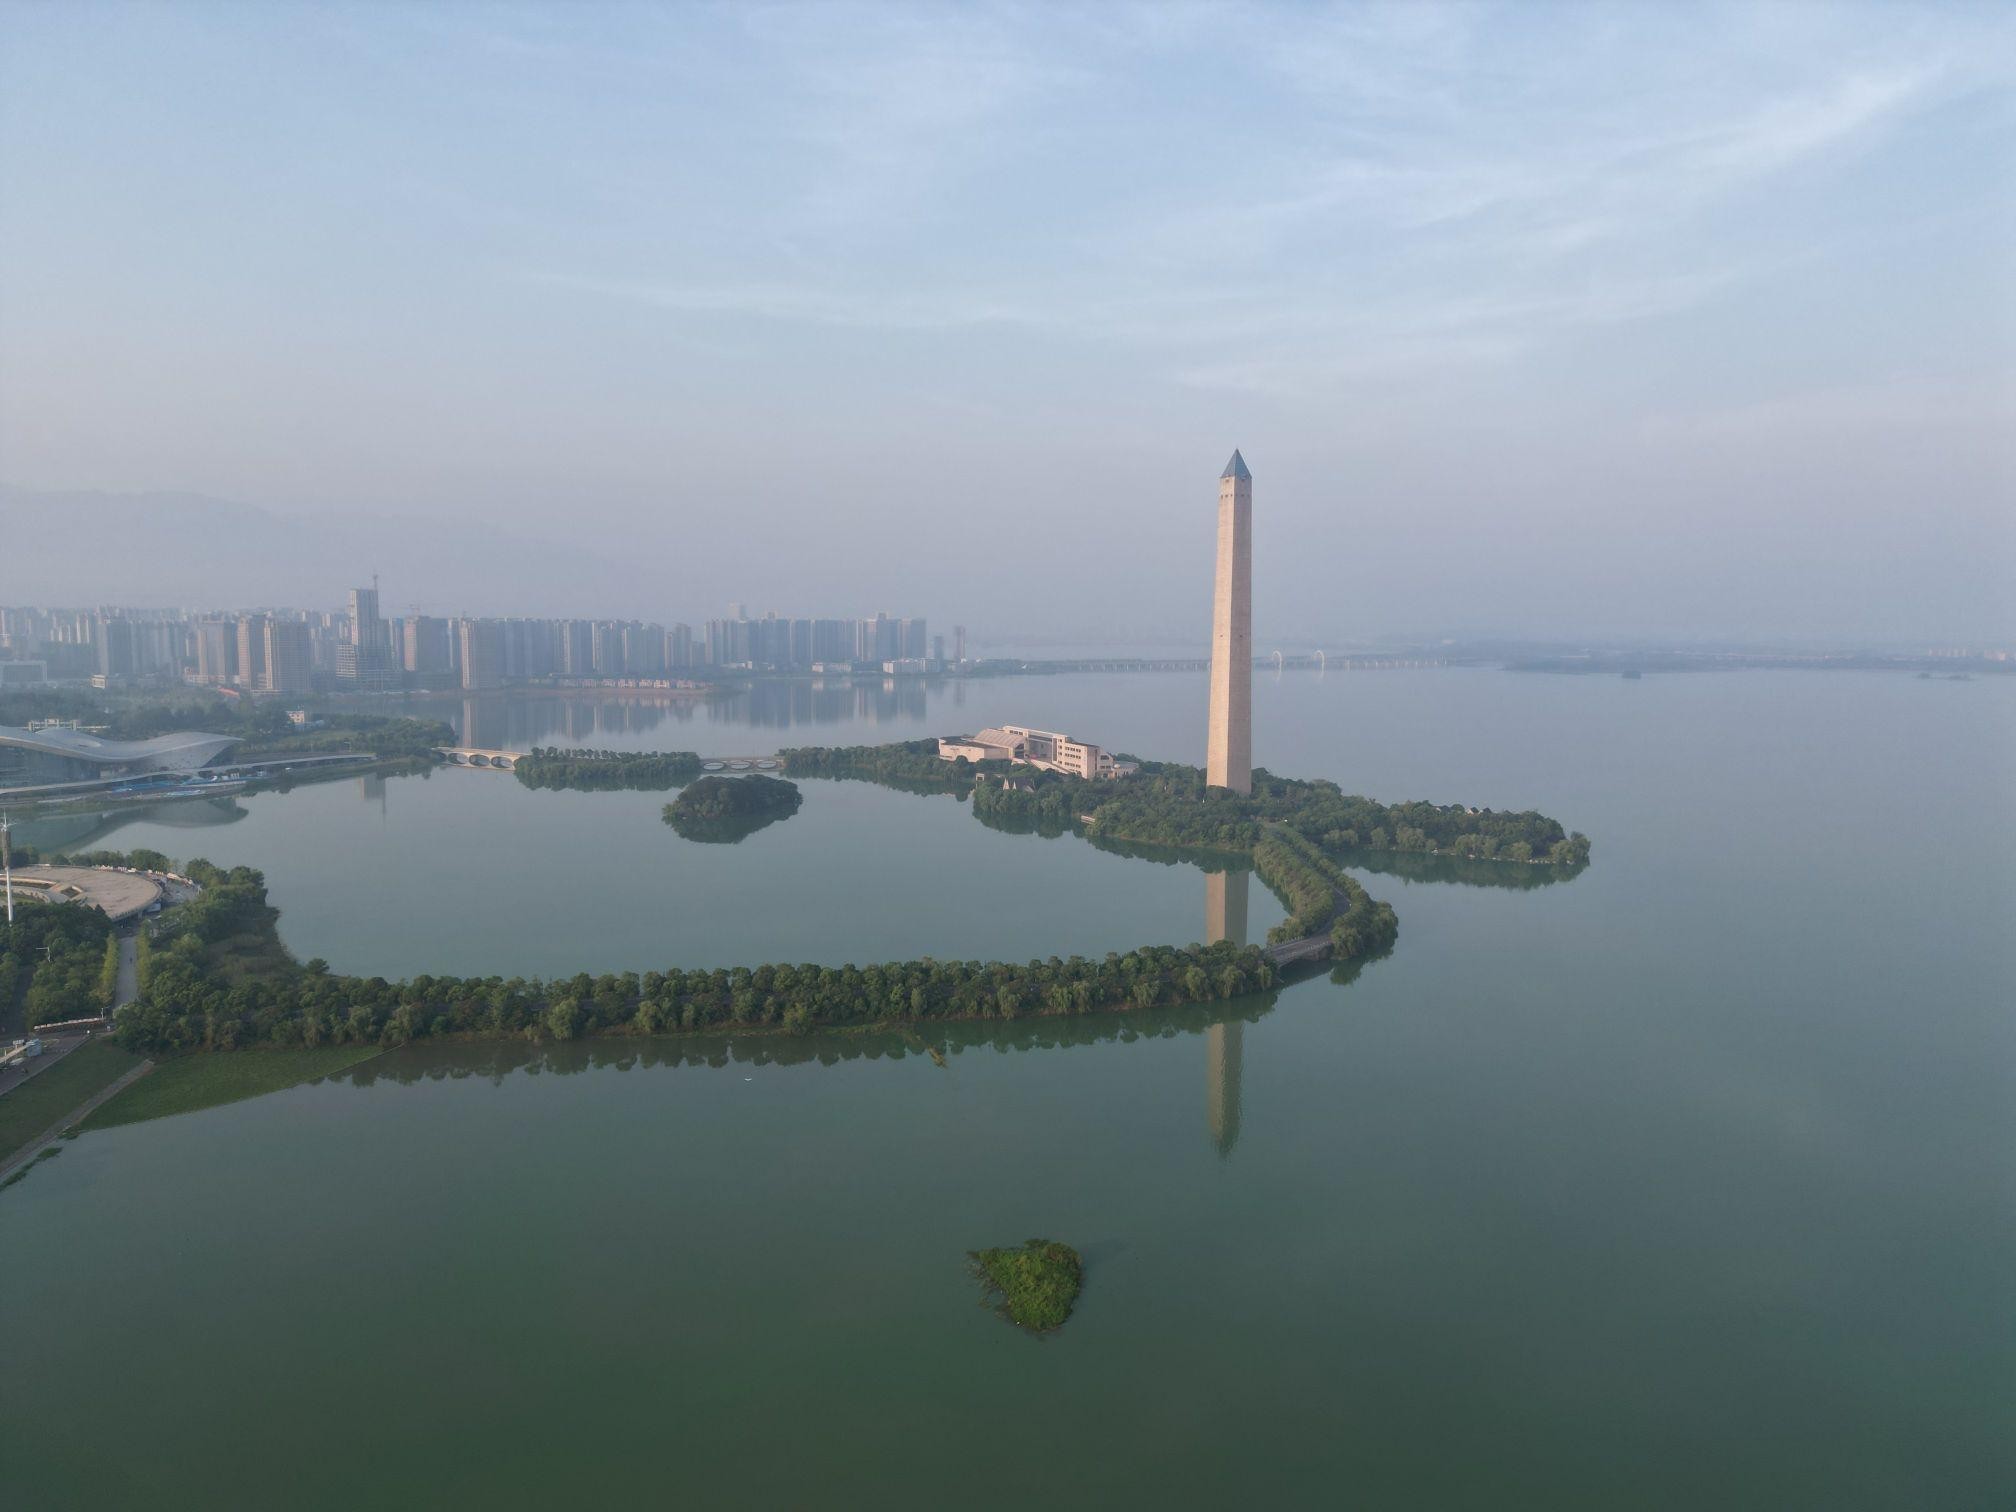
(1224, 919)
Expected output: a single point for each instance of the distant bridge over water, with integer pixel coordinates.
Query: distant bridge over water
(503, 760)
(1319, 661)
(480, 756)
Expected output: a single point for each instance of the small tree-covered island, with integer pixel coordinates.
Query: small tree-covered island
(727, 809)
(1034, 1286)
(214, 975)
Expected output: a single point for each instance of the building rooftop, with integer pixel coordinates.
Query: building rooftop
(184, 748)
(1236, 468)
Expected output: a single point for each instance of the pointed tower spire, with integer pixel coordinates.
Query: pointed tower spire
(1228, 760)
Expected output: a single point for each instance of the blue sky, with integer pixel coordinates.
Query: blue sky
(1574, 319)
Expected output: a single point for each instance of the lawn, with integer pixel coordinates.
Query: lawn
(191, 1082)
(45, 1100)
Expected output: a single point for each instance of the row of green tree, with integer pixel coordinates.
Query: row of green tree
(911, 765)
(1322, 898)
(1169, 804)
(191, 998)
(649, 771)
(385, 736)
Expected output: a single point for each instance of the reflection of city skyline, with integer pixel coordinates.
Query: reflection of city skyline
(517, 722)
(1225, 898)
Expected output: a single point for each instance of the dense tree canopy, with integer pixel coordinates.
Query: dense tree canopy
(384, 736)
(195, 993)
(648, 771)
(911, 765)
(724, 810)
(737, 798)
(51, 963)
(1166, 803)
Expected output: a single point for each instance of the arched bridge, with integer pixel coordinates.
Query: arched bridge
(480, 756)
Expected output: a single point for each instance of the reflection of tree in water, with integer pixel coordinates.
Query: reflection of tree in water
(497, 1059)
(727, 830)
(1411, 866)
(1022, 824)
(1173, 855)
(70, 832)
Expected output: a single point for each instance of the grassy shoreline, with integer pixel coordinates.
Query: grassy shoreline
(45, 1100)
(208, 1079)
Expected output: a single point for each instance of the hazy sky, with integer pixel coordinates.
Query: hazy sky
(1549, 320)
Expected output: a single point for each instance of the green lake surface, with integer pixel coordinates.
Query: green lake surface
(1685, 1182)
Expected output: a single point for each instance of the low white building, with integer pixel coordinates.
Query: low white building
(1048, 750)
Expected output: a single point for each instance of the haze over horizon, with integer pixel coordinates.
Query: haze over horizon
(1531, 321)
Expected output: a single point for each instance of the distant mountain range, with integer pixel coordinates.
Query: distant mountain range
(162, 550)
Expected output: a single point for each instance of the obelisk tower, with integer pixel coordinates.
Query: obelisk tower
(1228, 759)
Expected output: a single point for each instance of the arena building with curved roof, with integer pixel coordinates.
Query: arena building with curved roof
(30, 757)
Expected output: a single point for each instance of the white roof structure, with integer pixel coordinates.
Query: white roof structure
(183, 751)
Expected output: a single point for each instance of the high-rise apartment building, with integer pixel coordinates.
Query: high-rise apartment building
(426, 650)
(252, 651)
(216, 651)
(482, 643)
(285, 665)
(114, 639)
(369, 661)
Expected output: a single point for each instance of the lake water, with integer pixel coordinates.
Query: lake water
(1685, 1182)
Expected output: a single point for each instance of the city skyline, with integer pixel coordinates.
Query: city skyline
(361, 649)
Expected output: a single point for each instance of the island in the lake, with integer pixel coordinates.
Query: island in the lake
(727, 809)
(1034, 1286)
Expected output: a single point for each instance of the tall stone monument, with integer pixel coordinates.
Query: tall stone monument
(1228, 761)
